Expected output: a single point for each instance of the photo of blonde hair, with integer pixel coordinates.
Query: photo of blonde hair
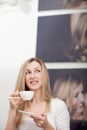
(69, 88)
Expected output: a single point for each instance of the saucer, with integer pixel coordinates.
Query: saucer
(28, 113)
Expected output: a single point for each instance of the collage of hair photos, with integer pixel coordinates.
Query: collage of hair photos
(62, 38)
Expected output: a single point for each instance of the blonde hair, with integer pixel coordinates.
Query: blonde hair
(64, 87)
(21, 85)
(79, 39)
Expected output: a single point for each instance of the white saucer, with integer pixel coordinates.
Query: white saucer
(28, 113)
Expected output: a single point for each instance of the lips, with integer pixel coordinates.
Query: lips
(81, 105)
(81, 108)
(34, 82)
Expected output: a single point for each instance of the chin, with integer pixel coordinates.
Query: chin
(80, 111)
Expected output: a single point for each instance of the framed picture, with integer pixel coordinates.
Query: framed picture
(62, 4)
(70, 85)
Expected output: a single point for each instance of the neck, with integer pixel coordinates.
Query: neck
(37, 97)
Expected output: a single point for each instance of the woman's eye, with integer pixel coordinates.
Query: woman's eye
(28, 72)
(37, 70)
(76, 95)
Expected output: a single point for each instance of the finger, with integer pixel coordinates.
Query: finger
(16, 102)
(15, 98)
(17, 91)
(15, 94)
(38, 124)
(35, 116)
(42, 114)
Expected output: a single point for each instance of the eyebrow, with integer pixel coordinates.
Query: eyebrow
(34, 68)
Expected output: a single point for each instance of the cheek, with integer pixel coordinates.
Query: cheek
(40, 77)
(74, 102)
(26, 79)
(41, 82)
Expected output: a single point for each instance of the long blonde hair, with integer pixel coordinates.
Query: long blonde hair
(21, 85)
(63, 88)
(78, 51)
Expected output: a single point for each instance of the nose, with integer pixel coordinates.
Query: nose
(32, 75)
(81, 97)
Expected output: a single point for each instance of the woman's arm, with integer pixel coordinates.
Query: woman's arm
(14, 100)
(11, 121)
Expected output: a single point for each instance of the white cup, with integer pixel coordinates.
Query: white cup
(26, 95)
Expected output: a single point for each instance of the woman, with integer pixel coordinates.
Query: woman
(78, 50)
(75, 4)
(52, 113)
(69, 88)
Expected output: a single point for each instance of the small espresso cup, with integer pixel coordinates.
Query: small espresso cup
(26, 95)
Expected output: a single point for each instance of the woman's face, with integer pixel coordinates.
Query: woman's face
(78, 99)
(33, 76)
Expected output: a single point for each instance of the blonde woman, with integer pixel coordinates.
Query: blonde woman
(70, 89)
(50, 113)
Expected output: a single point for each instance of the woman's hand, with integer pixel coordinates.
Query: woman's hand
(40, 120)
(15, 99)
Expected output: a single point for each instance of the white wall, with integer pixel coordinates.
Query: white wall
(17, 43)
